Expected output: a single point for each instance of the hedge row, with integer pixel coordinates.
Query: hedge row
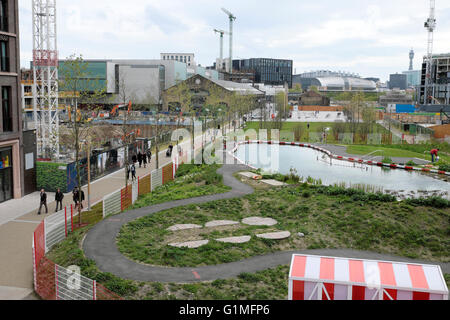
(51, 176)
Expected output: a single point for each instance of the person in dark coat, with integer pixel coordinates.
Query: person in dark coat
(76, 196)
(140, 159)
(144, 159)
(59, 196)
(43, 198)
(134, 158)
(133, 172)
(82, 199)
(149, 156)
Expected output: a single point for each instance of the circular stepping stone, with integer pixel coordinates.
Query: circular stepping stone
(275, 235)
(179, 227)
(190, 244)
(258, 221)
(220, 223)
(243, 239)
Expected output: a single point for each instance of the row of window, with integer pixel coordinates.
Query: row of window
(184, 59)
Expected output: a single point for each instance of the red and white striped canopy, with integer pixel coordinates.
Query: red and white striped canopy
(368, 273)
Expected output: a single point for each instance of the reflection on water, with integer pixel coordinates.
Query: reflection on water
(309, 162)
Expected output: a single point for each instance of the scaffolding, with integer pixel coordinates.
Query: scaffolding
(45, 74)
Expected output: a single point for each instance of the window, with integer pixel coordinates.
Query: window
(6, 109)
(4, 59)
(3, 16)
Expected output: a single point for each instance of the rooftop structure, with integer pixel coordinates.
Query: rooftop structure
(188, 58)
(336, 84)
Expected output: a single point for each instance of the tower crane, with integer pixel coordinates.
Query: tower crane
(221, 32)
(430, 25)
(232, 19)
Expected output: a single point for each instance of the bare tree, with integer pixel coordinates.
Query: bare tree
(86, 96)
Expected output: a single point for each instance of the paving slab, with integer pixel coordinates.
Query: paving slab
(190, 244)
(258, 221)
(275, 235)
(237, 240)
(220, 223)
(274, 183)
(247, 174)
(179, 227)
(14, 293)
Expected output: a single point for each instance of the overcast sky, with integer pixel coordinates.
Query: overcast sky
(369, 37)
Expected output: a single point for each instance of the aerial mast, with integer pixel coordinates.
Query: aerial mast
(45, 75)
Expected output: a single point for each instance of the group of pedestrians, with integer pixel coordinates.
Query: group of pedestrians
(141, 158)
(59, 196)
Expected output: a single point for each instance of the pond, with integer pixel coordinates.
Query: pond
(312, 163)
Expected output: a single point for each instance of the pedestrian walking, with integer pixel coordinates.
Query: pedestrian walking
(434, 155)
(59, 196)
(139, 157)
(149, 155)
(133, 172)
(144, 159)
(134, 158)
(82, 198)
(75, 196)
(43, 199)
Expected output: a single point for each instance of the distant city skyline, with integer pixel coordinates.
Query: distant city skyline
(370, 38)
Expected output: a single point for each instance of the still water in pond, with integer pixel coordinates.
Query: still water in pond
(309, 162)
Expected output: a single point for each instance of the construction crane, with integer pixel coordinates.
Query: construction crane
(430, 25)
(232, 19)
(45, 77)
(221, 32)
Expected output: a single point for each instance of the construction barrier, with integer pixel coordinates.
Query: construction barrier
(112, 204)
(157, 179)
(168, 173)
(126, 197)
(135, 191)
(145, 185)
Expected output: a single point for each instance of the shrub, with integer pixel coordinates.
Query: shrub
(306, 194)
(434, 202)
(444, 167)
(411, 163)
(50, 177)
(387, 160)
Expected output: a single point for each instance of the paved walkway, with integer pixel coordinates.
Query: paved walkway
(100, 245)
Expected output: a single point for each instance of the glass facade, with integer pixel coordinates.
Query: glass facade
(6, 174)
(267, 71)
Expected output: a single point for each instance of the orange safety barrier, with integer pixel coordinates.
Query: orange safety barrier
(145, 185)
(168, 173)
(126, 197)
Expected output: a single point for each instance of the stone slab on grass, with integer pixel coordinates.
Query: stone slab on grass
(220, 223)
(248, 174)
(258, 221)
(242, 239)
(179, 227)
(275, 235)
(190, 244)
(274, 183)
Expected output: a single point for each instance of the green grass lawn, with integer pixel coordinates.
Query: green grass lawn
(392, 151)
(194, 181)
(329, 221)
(298, 131)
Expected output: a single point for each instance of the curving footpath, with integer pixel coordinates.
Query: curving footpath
(100, 245)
